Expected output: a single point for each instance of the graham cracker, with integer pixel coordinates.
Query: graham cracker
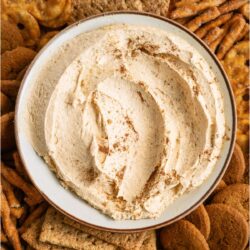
(31, 236)
(85, 8)
(56, 232)
(127, 241)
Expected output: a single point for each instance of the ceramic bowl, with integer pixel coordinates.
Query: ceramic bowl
(68, 203)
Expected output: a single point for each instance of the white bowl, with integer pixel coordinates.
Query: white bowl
(66, 201)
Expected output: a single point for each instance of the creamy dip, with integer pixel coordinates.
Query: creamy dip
(128, 117)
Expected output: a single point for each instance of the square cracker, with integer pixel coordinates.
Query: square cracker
(85, 8)
(56, 232)
(127, 241)
(31, 236)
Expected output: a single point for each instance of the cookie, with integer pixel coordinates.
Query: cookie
(237, 196)
(14, 61)
(219, 187)
(182, 235)
(200, 219)
(229, 229)
(236, 167)
(10, 36)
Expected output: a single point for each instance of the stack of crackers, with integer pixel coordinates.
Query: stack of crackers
(55, 231)
(28, 222)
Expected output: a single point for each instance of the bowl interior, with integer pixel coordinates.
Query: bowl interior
(65, 200)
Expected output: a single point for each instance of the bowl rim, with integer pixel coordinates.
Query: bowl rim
(228, 156)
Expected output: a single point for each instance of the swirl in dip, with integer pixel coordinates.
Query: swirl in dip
(128, 117)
